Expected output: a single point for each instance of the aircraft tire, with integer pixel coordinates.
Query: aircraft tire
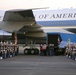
(26, 51)
(36, 51)
(32, 51)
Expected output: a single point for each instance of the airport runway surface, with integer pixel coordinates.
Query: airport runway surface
(37, 65)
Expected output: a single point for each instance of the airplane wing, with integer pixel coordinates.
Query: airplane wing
(22, 22)
(14, 20)
(39, 34)
(18, 15)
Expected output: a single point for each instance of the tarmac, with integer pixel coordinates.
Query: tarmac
(37, 65)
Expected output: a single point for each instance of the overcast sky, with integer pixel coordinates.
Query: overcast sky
(25, 4)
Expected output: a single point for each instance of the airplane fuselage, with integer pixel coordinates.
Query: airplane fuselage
(61, 17)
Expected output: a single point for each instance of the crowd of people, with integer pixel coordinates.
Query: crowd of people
(8, 50)
(47, 50)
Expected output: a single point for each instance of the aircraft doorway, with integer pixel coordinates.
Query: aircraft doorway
(55, 38)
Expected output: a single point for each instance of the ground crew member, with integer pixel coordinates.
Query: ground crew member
(51, 49)
(47, 51)
(43, 49)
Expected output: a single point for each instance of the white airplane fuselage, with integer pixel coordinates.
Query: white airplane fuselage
(61, 17)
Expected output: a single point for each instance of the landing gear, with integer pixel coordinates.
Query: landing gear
(33, 51)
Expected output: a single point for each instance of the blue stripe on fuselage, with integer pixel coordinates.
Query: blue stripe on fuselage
(57, 23)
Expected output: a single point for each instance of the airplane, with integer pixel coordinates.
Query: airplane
(37, 22)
